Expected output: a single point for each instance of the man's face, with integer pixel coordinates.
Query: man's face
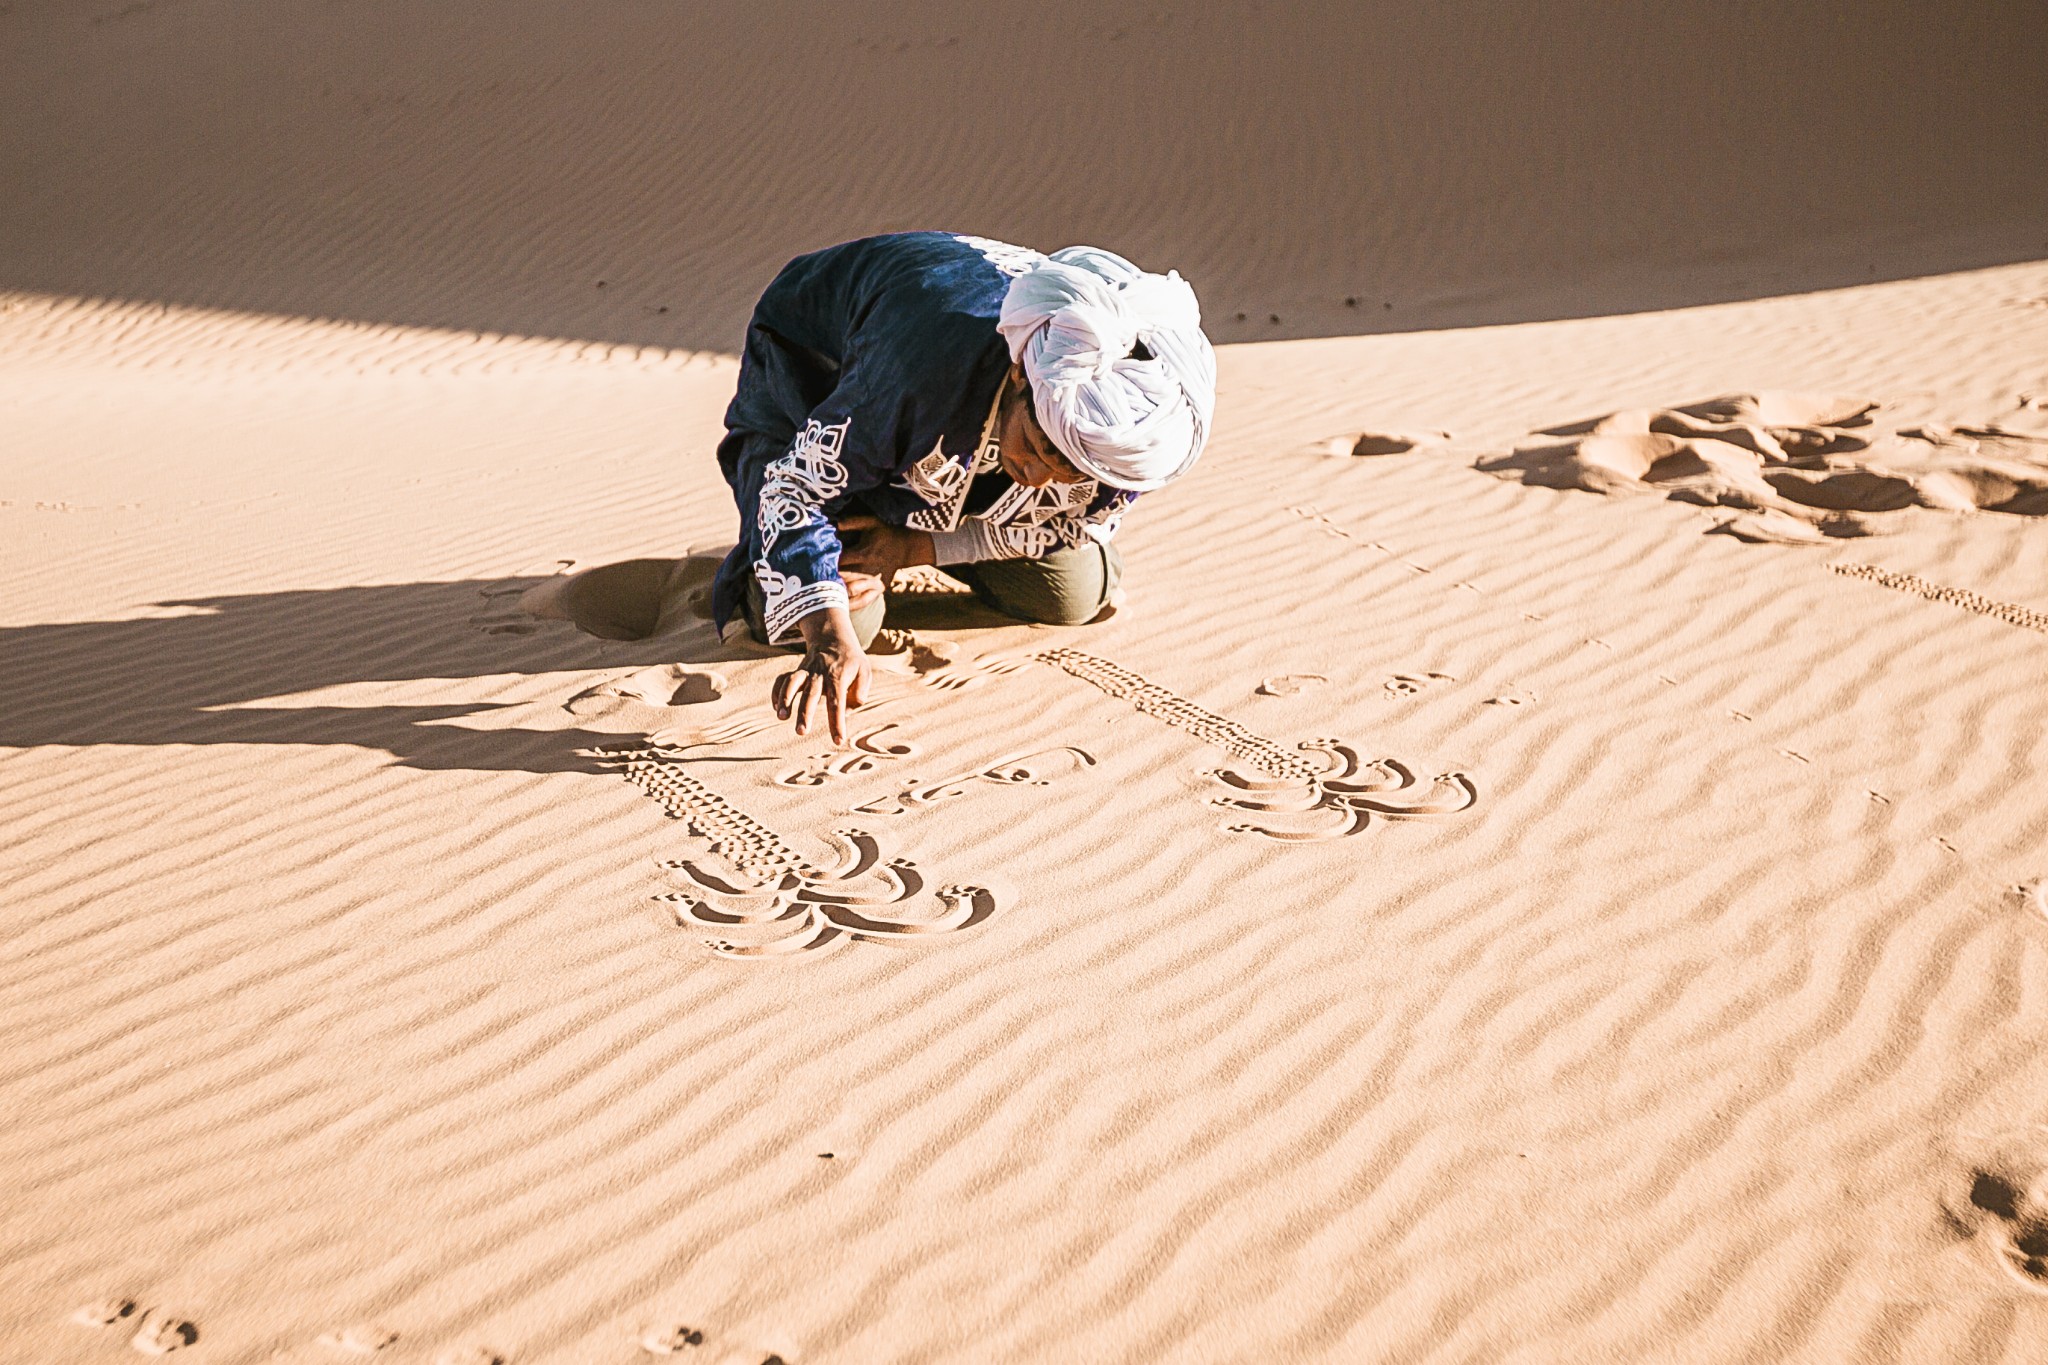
(1028, 454)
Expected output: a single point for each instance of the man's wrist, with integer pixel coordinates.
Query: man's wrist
(782, 615)
(828, 625)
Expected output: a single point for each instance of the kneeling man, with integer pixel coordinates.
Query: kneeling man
(926, 398)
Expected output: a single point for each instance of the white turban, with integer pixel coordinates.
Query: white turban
(1072, 321)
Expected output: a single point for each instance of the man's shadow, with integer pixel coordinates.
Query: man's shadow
(188, 673)
(224, 670)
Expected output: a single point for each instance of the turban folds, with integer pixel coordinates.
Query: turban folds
(1073, 322)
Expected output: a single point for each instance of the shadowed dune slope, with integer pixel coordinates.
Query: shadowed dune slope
(631, 171)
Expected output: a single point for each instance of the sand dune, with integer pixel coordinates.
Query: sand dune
(630, 173)
(1442, 915)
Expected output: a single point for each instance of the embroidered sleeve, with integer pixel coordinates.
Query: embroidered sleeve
(799, 562)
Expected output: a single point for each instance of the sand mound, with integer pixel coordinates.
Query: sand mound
(1796, 460)
(636, 599)
(664, 685)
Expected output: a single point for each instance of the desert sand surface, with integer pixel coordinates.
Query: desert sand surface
(1549, 863)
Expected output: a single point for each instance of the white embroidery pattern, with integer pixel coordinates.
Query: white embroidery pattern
(943, 481)
(793, 489)
(1011, 260)
(1028, 523)
(1024, 506)
(988, 456)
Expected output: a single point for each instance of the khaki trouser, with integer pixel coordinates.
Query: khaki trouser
(1065, 588)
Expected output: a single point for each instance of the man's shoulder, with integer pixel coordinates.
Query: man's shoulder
(926, 246)
(946, 271)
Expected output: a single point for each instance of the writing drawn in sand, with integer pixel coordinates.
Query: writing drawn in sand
(869, 753)
(1024, 770)
(757, 896)
(1325, 781)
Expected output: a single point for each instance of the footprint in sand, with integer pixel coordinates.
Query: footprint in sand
(660, 685)
(668, 1340)
(365, 1338)
(1363, 444)
(161, 1333)
(931, 661)
(1290, 684)
(1806, 468)
(2005, 1208)
(933, 656)
(1408, 684)
(470, 1355)
(940, 664)
(1514, 696)
(108, 1312)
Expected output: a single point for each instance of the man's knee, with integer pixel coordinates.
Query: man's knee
(1065, 588)
(1060, 611)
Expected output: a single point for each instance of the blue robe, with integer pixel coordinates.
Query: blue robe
(869, 383)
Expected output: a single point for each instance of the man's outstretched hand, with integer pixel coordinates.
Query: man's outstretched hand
(834, 674)
(869, 546)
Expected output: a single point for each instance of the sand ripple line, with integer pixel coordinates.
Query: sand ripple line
(768, 900)
(2011, 614)
(1340, 785)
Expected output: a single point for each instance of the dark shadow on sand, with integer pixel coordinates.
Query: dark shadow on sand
(634, 173)
(189, 678)
(223, 670)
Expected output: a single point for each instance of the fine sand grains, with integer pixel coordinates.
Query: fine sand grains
(357, 979)
(1437, 918)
